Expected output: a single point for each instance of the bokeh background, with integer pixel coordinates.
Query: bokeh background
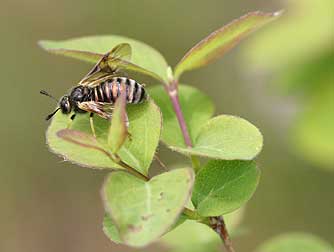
(281, 79)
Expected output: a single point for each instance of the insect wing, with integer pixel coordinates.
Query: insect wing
(130, 67)
(122, 51)
(108, 65)
(100, 108)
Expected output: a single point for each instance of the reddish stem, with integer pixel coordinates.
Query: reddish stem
(172, 91)
(218, 225)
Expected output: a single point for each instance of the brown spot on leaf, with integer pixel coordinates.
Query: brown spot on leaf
(134, 229)
(146, 217)
(161, 196)
(168, 210)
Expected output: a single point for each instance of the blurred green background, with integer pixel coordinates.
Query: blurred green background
(281, 80)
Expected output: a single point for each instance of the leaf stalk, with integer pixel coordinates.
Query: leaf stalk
(117, 160)
(173, 93)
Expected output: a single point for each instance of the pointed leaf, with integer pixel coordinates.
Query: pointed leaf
(143, 211)
(196, 106)
(145, 122)
(222, 40)
(118, 130)
(295, 242)
(224, 186)
(144, 127)
(91, 48)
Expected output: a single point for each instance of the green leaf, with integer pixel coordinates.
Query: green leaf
(265, 49)
(226, 137)
(118, 130)
(112, 233)
(110, 229)
(224, 186)
(91, 49)
(307, 77)
(222, 40)
(193, 236)
(305, 70)
(197, 108)
(295, 242)
(313, 134)
(77, 146)
(144, 127)
(87, 143)
(143, 211)
(223, 137)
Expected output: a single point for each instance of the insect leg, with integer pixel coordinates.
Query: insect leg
(92, 123)
(69, 124)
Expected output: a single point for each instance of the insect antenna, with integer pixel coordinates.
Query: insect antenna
(43, 92)
(52, 114)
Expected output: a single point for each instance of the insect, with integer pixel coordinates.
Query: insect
(98, 91)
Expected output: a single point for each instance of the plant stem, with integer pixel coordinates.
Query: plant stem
(218, 225)
(172, 90)
(195, 163)
(191, 214)
(174, 97)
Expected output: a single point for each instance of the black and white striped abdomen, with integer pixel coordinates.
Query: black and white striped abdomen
(109, 90)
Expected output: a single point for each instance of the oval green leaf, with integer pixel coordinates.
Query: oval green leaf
(196, 106)
(226, 137)
(222, 40)
(143, 211)
(138, 152)
(224, 186)
(112, 233)
(295, 242)
(91, 49)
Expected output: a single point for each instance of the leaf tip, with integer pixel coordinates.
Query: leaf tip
(42, 44)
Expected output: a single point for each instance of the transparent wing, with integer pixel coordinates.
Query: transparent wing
(102, 109)
(108, 65)
(121, 51)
